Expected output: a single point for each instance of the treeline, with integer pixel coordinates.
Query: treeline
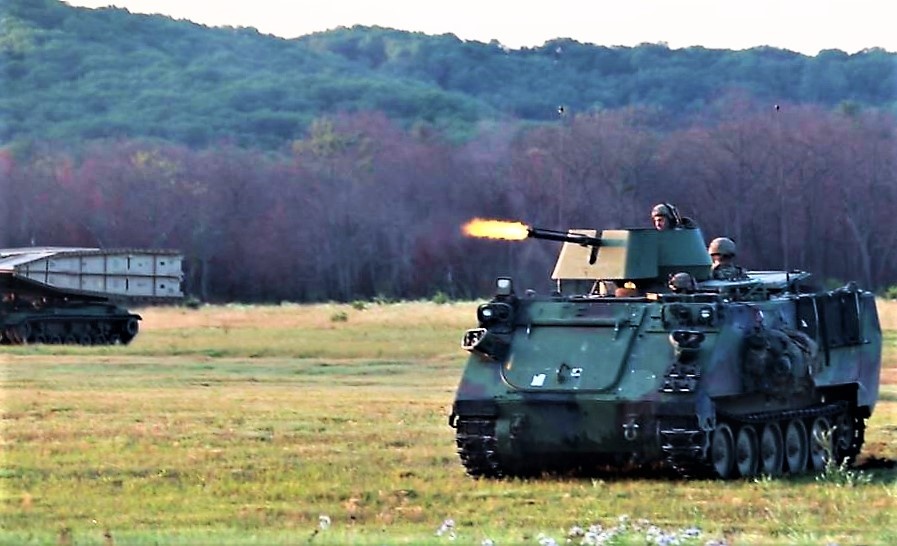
(362, 207)
(73, 74)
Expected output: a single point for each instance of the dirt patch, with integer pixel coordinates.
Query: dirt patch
(889, 376)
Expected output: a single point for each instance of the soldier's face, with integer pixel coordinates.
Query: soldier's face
(661, 223)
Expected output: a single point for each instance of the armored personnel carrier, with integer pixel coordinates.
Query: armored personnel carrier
(767, 374)
(74, 295)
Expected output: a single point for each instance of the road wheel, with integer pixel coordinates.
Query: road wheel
(772, 450)
(747, 451)
(821, 443)
(796, 446)
(26, 333)
(722, 451)
(130, 330)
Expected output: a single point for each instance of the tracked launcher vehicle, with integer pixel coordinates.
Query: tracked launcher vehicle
(766, 375)
(75, 295)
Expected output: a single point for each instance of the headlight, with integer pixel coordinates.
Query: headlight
(504, 286)
(490, 313)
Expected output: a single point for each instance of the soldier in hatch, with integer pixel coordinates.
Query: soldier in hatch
(722, 253)
(683, 283)
(663, 217)
(666, 216)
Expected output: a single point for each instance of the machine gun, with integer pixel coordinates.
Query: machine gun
(610, 254)
(564, 237)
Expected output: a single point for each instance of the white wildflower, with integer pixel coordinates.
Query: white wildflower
(667, 539)
(447, 527)
(593, 538)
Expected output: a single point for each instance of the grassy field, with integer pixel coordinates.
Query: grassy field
(327, 424)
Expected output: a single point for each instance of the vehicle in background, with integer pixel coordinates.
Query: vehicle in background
(76, 295)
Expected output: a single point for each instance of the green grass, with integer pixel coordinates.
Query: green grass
(139, 445)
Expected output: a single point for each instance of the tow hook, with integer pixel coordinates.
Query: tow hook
(630, 429)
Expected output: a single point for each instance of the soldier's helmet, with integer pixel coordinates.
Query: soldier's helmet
(722, 246)
(662, 210)
(682, 282)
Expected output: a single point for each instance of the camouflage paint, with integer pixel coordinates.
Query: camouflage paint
(581, 379)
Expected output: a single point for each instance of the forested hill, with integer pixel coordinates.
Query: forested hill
(74, 74)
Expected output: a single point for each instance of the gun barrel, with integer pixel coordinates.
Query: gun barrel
(563, 236)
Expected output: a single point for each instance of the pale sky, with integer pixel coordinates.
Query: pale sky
(806, 26)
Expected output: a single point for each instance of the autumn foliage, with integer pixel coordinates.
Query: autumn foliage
(360, 208)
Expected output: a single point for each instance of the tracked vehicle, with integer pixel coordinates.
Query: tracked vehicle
(767, 374)
(75, 295)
